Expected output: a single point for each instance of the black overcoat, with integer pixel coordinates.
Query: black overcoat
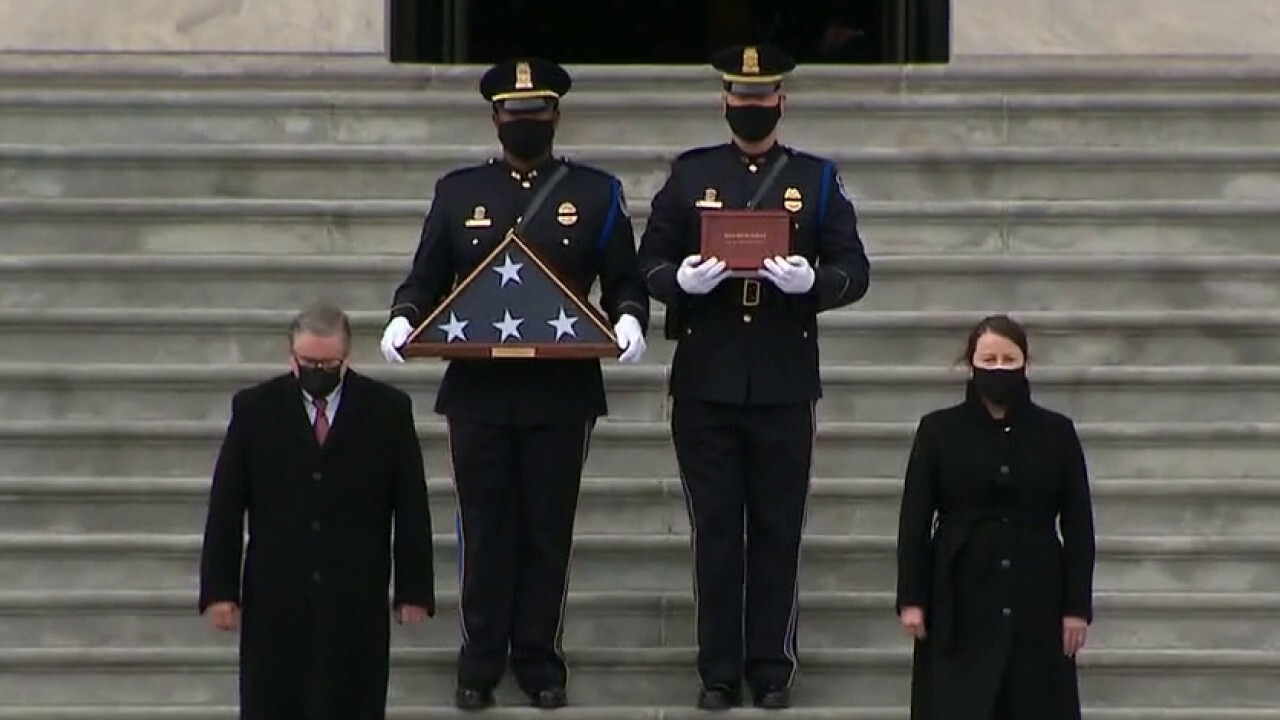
(315, 630)
(979, 549)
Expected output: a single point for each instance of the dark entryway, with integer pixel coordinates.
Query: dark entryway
(666, 32)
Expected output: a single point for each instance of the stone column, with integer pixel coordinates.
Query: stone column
(208, 26)
(1115, 27)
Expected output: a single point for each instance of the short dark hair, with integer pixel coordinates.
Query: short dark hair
(321, 318)
(1002, 325)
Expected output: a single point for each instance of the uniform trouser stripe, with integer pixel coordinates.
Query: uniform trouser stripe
(693, 553)
(460, 531)
(793, 623)
(710, 462)
(568, 567)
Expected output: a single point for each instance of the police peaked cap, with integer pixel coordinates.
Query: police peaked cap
(752, 69)
(525, 84)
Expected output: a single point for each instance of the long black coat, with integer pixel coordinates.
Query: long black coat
(991, 572)
(315, 631)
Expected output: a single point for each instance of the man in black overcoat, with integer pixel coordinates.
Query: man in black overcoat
(327, 466)
(744, 377)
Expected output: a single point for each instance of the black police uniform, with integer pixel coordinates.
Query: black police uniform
(519, 430)
(744, 383)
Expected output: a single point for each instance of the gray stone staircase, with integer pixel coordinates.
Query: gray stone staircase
(161, 218)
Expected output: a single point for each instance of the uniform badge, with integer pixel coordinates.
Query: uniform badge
(750, 61)
(567, 214)
(792, 200)
(478, 218)
(710, 199)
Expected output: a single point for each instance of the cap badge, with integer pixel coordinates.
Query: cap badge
(524, 76)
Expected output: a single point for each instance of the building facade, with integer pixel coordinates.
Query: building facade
(979, 28)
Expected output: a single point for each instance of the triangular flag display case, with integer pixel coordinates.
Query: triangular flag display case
(513, 305)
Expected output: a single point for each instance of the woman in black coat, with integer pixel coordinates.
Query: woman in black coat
(997, 604)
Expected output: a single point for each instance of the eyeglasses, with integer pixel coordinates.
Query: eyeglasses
(322, 364)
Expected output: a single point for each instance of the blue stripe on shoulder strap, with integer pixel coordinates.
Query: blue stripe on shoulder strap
(828, 172)
(607, 229)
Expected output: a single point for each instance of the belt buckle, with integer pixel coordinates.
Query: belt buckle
(750, 292)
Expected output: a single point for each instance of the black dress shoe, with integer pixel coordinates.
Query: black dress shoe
(718, 697)
(470, 699)
(550, 699)
(774, 699)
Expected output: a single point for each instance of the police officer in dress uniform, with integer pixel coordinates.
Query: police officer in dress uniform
(744, 378)
(519, 429)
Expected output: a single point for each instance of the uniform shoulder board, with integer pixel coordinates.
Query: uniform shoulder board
(806, 155)
(693, 152)
(597, 175)
(459, 172)
(575, 165)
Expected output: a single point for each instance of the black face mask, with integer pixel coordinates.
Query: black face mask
(1002, 386)
(527, 139)
(319, 382)
(753, 123)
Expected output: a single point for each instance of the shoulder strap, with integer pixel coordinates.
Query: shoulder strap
(540, 197)
(767, 181)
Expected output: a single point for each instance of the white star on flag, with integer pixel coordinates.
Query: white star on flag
(453, 329)
(509, 327)
(563, 325)
(509, 271)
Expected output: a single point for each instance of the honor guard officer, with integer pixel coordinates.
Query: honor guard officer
(744, 378)
(519, 429)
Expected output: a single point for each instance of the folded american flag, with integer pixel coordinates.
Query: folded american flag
(513, 305)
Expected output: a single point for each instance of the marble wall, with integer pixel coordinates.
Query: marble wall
(980, 27)
(1115, 27)
(234, 26)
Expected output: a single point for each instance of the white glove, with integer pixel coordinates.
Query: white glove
(398, 330)
(699, 277)
(630, 339)
(792, 275)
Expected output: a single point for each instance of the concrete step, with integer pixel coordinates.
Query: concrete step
(1123, 76)
(109, 447)
(901, 282)
(409, 171)
(94, 226)
(828, 621)
(1220, 507)
(84, 392)
(516, 712)
(648, 563)
(852, 337)
(630, 678)
(685, 115)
